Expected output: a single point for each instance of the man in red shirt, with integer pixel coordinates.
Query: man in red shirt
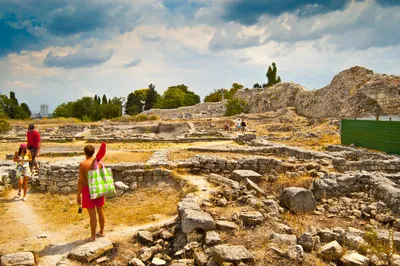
(33, 139)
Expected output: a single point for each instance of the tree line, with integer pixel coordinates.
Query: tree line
(10, 108)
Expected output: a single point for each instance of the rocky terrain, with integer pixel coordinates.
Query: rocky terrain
(256, 202)
(355, 92)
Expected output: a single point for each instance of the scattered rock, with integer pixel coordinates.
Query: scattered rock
(299, 200)
(354, 259)
(251, 218)
(19, 258)
(136, 262)
(241, 175)
(306, 241)
(226, 225)
(157, 261)
(91, 251)
(212, 238)
(283, 239)
(145, 237)
(200, 258)
(220, 180)
(250, 185)
(145, 254)
(233, 254)
(331, 251)
(192, 219)
(295, 253)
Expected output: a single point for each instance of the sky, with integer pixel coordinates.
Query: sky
(55, 51)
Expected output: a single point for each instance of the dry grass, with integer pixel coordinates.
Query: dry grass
(122, 156)
(314, 143)
(46, 121)
(299, 222)
(185, 154)
(283, 182)
(140, 206)
(57, 211)
(61, 212)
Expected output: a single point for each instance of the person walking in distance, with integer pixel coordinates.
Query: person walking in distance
(243, 126)
(23, 157)
(95, 205)
(33, 140)
(238, 125)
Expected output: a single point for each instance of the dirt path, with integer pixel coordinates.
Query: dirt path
(21, 212)
(53, 247)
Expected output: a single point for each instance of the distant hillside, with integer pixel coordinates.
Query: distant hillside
(355, 92)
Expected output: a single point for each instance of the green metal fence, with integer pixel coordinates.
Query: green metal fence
(377, 135)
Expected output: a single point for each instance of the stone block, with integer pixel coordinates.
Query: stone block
(192, 219)
(232, 254)
(19, 258)
(90, 251)
(241, 175)
(299, 200)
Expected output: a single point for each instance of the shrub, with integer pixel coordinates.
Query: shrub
(154, 117)
(86, 119)
(235, 106)
(4, 125)
(141, 117)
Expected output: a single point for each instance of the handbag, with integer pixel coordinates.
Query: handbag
(100, 181)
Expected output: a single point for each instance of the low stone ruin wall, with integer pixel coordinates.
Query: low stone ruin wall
(205, 164)
(208, 109)
(64, 178)
(381, 186)
(368, 165)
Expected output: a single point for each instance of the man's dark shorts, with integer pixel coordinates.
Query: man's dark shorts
(33, 153)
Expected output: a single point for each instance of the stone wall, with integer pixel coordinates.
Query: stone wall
(205, 164)
(208, 109)
(378, 185)
(342, 158)
(63, 178)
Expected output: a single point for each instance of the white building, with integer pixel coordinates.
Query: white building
(44, 110)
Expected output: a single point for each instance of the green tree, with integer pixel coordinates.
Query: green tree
(257, 86)
(104, 99)
(13, 106)
(4, 105)
(272, 75)
(235, 106)
(64, 110)
(152, 97)
(215, 96)
(177, 96)
(134, 104)
(23, 112)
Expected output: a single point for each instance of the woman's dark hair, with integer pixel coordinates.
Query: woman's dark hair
(20, 151)
(89, 150)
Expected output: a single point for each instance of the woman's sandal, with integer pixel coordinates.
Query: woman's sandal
(19, 193)
(89, 239)
(100, 235)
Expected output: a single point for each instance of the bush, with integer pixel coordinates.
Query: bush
(235, 107)
(154, 117)
(4, 125)
(141, 117)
